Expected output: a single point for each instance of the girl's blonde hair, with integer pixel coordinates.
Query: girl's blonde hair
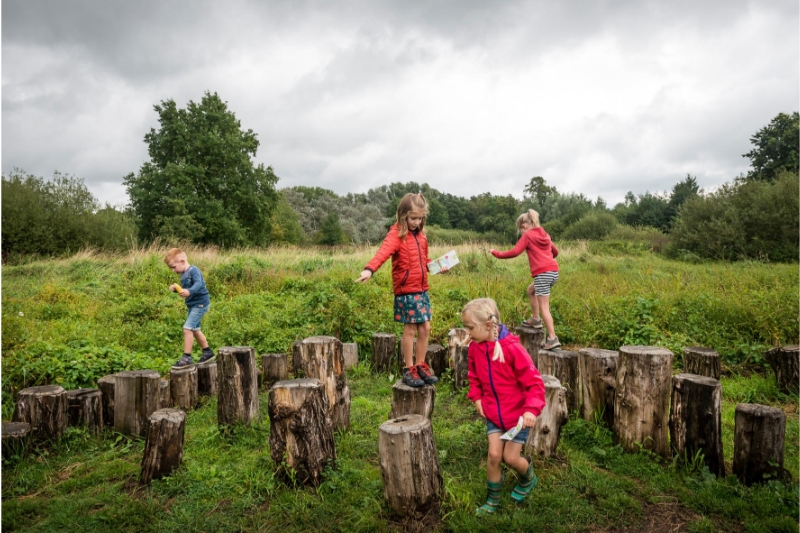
(531, 217)
(484, 312)
(410, 202)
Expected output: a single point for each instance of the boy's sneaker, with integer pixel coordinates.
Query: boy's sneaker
(208, 355)
(183, 361)
(551, 343)
(411, 377)
(426, 374)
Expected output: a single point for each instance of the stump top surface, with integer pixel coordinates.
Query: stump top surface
(206, 364)
(350, 344)
(298, 383)
(404, 424)
(107, 379)
(138, 373)
(15, 428)
(278, 355)
(787, 349)
(319, 339)
(528, 330)
(435, 347)
(402, 386)
(235, 349)
(188, 369)
(759, 410)
(82, 392)
(550, 382)
(43, 390)
(699, 350)
(383, 335)
(695, 378)
(645, 350)
(173, 415)
(597, 352)
(558, 354)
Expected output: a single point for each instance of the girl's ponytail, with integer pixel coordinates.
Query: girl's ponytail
(534, 216)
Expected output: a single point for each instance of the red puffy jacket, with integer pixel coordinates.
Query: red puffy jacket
(409, 260)
(541, 251)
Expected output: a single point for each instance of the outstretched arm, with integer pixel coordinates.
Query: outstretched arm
(514, 252)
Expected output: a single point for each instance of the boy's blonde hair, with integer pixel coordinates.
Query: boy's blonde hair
(531, 217)
(172, 254)
(410, 202)
(484, 312)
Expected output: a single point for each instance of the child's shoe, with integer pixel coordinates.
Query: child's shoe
(525, 484)
(492, 497)
(551, 343)
(185, 359)
(208, 355)
(411, 377)
(533, 322)
(426, 374)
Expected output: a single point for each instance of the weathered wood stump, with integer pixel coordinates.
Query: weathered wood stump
(16, 438)
(412, 479)
(563, 364)
(322, 360)
(758, 441)
(301, 430)
(106, 386)
(695, 422)
(350, 354)
(163, 451)
(183, 387)
(237, 386)
(412, 400)
(164, 394)
(45, 409)
(436, 357)
(296, 365)
(531, 339)
(457, 348)
(274, 368)
(383, 351)
(85, 408)
(543, 436)
(598, 372)
(207, 378)
(785, 361)
(137, 395)
(701, 361)
(641, 405)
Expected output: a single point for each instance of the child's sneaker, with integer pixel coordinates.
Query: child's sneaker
(551, 343)
(184, 360)
(533, 323)
(426, 374)
(411, 377)
(208, 355)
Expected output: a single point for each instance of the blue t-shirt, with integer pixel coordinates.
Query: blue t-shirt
(192, 279)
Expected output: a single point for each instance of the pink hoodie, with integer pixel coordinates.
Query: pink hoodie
(506, 389)
(541, 251)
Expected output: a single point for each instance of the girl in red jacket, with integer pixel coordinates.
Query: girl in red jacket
(407, 245)
(505, 386)
(542, 255)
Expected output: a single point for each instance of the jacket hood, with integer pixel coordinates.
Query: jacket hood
(539, 236)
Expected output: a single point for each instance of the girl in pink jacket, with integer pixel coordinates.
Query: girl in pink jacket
(506, 389)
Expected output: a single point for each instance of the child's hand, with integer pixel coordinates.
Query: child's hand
(479, 407)
(444, 270)
(365, 275)
(528, 420)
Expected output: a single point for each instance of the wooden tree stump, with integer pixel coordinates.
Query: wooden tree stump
(301, 430)
(383, 351)
(85, 408)
(598, 371)
(137, 396)
(563, 364)
(237, 386)
(436, 356)
(106, 386)
(163, 451)
(296, 364)
(641, 405)
(350, 354)
(164, 394)
(275, 368)
(207, 378)
(322, 360)
(785, 361)
(701, 361)
(45, 409)
(16, 438)
(183, 387)
(412, 400)
(695, 422)
(531, 339)
(412, 479)
(457, 350)
(543, 436)
(758, 441)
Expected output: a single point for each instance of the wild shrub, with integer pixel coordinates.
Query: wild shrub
(594, 226)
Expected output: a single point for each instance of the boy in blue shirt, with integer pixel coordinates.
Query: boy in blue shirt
(193, 289)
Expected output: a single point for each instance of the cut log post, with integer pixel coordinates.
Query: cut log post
(598, 371)
(137, 395)
(436, 357)
(412, 479)
(322, 360)
(45, 409)
(296, 364)
(207, 379)
(274, 368)
(163, 451)
(641, 405)
(301, 430)
(85, 408)
(701, 361)
(563, 364)
(457, 348)
(106, 386)
(16, 439)
(401, 360)
(785, 361)
(183, 387)
(350, 354)
(543, 437)
(759, 435)
(164, 394)
(237, 386)
(412, 400)
(383, 351)
(259, 378)
(531, 339)
(695, 422)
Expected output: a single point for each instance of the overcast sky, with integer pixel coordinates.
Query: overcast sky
(598, 97)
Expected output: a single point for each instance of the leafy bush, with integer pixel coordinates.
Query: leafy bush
(594, 226)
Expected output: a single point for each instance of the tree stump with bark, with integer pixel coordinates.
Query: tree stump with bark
(45, 409)
(563, 364)
(350, 354)
(383, 351)
(164, 394)
(412, 479)
(85, 408)
(759, 436)
(412, 400)
(543, 436)
(457, 350)
(183, 387)
(237, 386)
(531, 339)
(641, 405)
(106, 386)
(274, 368)
(598, 372)
(701, 361)
(163, 451)
(695, 422)
(16, 438)
(207, 378)
(322, 360)
(785, 361)
(296, 365)
(137, 395)
(436, 356)
(301, 430)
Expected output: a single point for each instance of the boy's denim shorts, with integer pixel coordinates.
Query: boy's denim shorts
(521, 438)
(195, 316)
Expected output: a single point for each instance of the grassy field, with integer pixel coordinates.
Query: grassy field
(71, 321)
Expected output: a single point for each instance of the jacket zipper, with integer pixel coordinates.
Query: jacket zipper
(405, 277)
(421, 266)
(491, 384)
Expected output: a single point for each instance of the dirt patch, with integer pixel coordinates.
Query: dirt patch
(417, 523)
(666, 517)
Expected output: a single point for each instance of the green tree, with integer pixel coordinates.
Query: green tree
(538, 190)
(776, 148)
(331, 231)
(201, 184)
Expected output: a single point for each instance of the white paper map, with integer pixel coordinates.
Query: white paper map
(448, 260)
(511, 433)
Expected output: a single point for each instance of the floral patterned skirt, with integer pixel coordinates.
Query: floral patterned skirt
(412, 308)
